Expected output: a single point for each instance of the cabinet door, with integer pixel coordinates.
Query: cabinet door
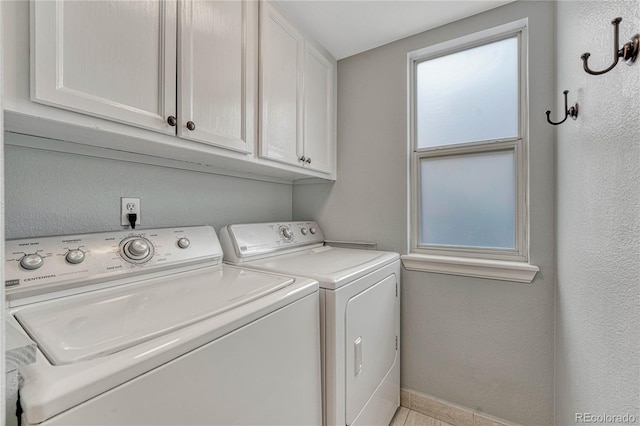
(218, 72)
(281, 56)
(318, 110)
(111, 59)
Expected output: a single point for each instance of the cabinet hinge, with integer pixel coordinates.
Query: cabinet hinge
(396, 289)
(396, 343)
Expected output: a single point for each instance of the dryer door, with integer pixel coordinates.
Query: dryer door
(370, 343)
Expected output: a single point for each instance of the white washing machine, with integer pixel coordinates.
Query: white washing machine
(150, 328)
(359, 312)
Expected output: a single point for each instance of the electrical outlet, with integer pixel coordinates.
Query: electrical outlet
(129, 205)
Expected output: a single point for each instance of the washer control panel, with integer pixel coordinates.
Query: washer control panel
(39, 265)
(241, 242)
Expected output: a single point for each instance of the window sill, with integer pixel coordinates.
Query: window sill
(469, 267)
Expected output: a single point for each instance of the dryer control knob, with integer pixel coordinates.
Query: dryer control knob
(183, 243)
(32, 261)
(304, 231)
(313, 230)
(74, 256)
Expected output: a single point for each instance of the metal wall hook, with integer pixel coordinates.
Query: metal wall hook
(628, 52)
(568, 112)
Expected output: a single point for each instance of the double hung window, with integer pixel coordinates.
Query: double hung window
(468, 152)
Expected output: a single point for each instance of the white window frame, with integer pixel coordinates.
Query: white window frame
(502, 264)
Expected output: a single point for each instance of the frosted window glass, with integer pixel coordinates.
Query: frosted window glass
(468, 96)
(468, 200)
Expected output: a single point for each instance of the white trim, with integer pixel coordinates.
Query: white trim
(480, 268)
(469, 41)
(518, 144)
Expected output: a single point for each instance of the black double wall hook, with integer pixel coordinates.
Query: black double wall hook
(568, 112)
(628, 52)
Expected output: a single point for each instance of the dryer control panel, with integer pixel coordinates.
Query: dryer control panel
(40, 265)
(255, 240)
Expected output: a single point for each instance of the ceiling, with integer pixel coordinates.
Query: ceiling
(348, 27)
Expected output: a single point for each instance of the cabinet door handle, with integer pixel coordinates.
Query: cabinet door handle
(303, 159)
(172, 121)
(191, 125)
(308, 160)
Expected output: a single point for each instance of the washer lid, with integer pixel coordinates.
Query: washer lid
(332, 267)
(99, 323)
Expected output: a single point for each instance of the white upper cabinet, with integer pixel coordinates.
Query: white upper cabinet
(297, 96)
(281, 62)
(118, 60)
(319, 83)
(218, 72)
(232, 87)
(112, 59)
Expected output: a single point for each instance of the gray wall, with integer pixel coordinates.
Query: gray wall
(50, 193)
(484, 344)
(598, 217)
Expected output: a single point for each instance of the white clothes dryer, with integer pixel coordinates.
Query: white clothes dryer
(148, 327)
(359, 312)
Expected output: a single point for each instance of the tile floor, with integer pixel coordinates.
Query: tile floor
(406, 417)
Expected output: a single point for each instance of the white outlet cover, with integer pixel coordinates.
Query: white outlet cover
(124, 211)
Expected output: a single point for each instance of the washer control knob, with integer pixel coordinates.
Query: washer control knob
(74, 256)
(313, 230)
(32, 261)
(183, 243)
(137, 249)
(286, 233)
(304, 231)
